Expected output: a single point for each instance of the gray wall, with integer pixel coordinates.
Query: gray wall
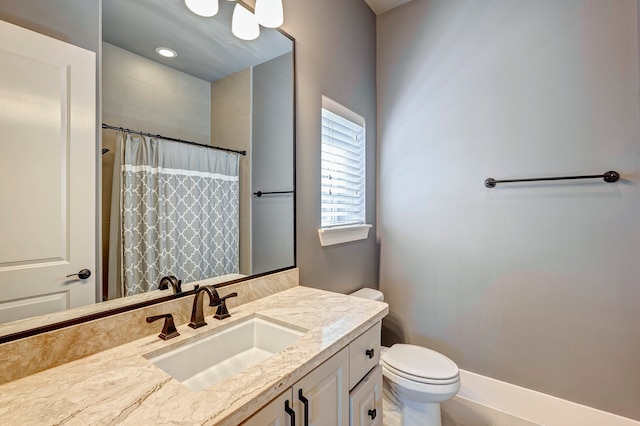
(52, 18)
(335, 56)
(272, 165)
(533, 284)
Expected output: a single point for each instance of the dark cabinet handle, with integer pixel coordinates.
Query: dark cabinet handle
(305, 402)
(369, 353)
(290, 412)
(372, 413)
(83, 274)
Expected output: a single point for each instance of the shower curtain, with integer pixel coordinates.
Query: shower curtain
(177, 213)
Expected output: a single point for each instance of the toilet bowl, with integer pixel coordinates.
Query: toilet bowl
(416, 377)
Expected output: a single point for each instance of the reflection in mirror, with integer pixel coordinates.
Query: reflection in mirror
(218, 91)
(197, 218)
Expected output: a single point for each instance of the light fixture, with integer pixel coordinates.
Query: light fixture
(244, 24)
(269, 13)
(206, 8)
(166, 52)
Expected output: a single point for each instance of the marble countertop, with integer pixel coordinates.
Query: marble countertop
(120, 386)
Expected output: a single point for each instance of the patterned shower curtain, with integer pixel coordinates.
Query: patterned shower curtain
(179, 208)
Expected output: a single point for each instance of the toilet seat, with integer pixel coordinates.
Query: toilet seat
(420, 365)
(418, 379)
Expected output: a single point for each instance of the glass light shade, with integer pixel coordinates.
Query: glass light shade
(206, 8)
(269, 13)
(244, 24)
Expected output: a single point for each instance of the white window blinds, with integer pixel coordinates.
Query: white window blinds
(343, 166)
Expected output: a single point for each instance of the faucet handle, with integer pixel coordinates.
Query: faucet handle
(222, 312)
(214, 300)
(168, 329)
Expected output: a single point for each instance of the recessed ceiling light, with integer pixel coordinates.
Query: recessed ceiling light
(166, 52)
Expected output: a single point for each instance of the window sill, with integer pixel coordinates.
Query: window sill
(343, 234)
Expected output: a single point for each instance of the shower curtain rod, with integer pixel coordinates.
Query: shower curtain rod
(135, 132)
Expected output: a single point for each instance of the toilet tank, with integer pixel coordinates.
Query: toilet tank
(369, 293)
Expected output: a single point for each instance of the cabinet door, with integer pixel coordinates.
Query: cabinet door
(326, 390)
(366, 400)
(274, 413)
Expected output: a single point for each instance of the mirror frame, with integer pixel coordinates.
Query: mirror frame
(99, 314)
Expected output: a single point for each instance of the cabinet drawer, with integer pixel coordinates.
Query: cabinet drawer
(364, 354)
(365, 400)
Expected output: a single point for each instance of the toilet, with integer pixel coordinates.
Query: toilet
(417, 377)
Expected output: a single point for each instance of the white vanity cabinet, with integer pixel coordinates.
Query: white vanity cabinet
(345, 389)
(364, 354)
(365, 379)
(326, 390)
(365, 400)
(274, 413)
(321, 398)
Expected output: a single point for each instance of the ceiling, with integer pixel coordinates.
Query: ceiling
(207, 49)
(382, 6)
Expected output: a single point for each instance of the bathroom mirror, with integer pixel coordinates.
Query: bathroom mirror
(218, 91)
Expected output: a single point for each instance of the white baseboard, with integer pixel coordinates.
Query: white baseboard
(534, 406)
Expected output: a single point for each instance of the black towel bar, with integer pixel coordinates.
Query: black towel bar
(609, 176)
(261, 193)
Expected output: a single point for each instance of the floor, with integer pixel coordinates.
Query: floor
(392, 414)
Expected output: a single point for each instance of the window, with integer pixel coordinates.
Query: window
(343, 168)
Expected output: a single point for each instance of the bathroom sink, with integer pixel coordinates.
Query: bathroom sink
(211, 359)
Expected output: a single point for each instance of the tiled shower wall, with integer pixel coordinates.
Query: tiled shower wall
(231, 128)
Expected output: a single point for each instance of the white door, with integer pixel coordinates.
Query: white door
(47, 174)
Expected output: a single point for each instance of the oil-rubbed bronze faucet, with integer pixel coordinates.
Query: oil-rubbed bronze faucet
(197, 314)
(222, 312)
(168, 329)
(176, 284)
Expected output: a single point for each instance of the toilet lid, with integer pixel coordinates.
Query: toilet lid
(420, 362)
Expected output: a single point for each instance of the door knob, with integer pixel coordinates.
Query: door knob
(83, 274)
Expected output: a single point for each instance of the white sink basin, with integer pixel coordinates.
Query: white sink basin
(211, 359)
